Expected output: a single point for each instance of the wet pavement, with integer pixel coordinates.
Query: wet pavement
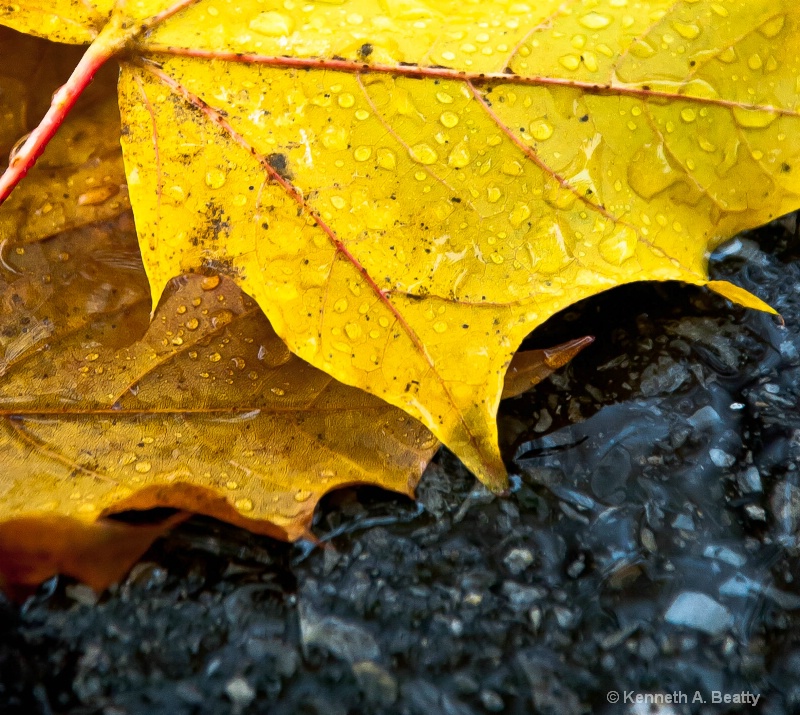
(648, 550)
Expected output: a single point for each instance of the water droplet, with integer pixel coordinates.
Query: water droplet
(244, 504)
(423, 154)
(594, 21)
(706, 145)
(753, 118)
(440, 326)
(448, 119)
(511, 167)
(362, 153)
(97, 195)
(215, 178)
(386, 159)
(686, 30)
(444, 97)
(520, 213)
(493, 194)
(143, 467)
(688, 115)
(541, 130)
(222, 318)
(772, 27)
(277, 391)
(496, 258)
(728, 55)
(91, 357)
(302, 495)
(642, 49)
(231, 485)
(209, 282)
(215, 357)
(353, 330)
(754, 62)
(177, 194)
(192, 324)
(16, 148)
(362, 114)
(340, 306)
(459, 157)
(238, 363)
(650, 172)
(346, 100)
(272, 24)
(619, 247)
(334, 138)
(570, 62)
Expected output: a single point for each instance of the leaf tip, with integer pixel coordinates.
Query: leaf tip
(741, 296)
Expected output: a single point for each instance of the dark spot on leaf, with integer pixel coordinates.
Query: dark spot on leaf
(280, 164)
(221, 266)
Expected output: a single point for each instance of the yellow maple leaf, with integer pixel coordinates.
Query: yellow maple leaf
(409, 187)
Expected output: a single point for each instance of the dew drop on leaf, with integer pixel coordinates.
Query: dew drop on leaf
(362, 153)
(541, 130)
(423, 154)
(272, 24)
(215, 178)
(459, 157)
(594, 21)
(387, 159)
(448, 119)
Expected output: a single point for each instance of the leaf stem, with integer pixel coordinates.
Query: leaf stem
(109, 42)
